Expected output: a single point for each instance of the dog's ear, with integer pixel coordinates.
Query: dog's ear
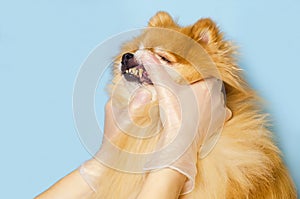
(161, 19)
(206, 31)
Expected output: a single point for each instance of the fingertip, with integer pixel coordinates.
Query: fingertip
(155, 69)
(228, 114)
(140, 99)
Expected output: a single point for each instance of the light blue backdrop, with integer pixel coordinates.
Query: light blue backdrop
(43, 43)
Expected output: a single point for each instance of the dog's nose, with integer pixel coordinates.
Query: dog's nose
(128, 61)
(126, 57)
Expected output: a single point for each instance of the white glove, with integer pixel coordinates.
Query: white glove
(190, 115)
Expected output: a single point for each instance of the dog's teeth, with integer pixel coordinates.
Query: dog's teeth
(141, 72)
(136, 72)
(127, 71)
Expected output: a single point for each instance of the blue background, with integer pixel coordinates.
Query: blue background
(43, 43)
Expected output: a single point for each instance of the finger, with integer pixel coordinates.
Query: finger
(162, 82)
(141, 98)
(214, 83)
(228, 114)
(156, 71)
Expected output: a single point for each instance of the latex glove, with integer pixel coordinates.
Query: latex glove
(190, 115)
(107, 156)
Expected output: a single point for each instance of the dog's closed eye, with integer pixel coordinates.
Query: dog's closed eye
(164, 58)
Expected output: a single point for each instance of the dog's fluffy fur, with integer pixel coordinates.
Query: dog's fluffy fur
(245, 163)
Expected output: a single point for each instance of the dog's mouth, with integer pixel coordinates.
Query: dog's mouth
(137, 74)
(134, 71)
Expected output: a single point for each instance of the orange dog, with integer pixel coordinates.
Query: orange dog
(245, 162)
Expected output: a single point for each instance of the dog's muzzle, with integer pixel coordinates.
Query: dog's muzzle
(132, 70)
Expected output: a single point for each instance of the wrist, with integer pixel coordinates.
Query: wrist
(92, 172)
(166, 182)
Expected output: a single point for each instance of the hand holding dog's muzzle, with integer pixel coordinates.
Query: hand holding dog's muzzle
(192, 117)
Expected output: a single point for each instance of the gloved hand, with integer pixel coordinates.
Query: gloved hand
(109, 156)
(186, 113)
(191, 115)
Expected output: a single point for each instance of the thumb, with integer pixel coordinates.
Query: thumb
(141, 98)
(159, 74)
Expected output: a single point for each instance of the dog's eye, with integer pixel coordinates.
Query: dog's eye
(163, 58)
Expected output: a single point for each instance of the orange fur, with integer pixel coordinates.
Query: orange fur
(245, 163)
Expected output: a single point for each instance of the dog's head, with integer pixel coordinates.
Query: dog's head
(194, 52)
(165, 44)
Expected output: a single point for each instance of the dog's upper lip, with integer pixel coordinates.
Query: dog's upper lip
(128, 63)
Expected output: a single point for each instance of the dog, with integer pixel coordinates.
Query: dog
(245, 162)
